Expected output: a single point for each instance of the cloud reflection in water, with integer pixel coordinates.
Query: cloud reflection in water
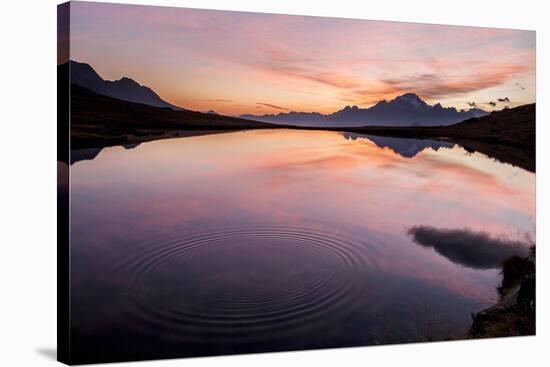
(476, 250)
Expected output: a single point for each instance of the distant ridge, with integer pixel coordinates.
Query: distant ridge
(405, 110)
(125, 88)
(99, 121)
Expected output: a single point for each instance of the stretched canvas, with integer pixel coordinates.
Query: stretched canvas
(234, 182)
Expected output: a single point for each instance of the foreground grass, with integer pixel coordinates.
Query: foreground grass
(515, 312)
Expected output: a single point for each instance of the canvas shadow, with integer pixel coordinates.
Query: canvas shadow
(49, 353)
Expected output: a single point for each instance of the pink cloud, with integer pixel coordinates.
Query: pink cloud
(303, 63)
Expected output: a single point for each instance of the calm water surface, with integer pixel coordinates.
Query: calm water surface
(280, 239)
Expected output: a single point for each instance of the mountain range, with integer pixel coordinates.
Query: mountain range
(405, 110)
(97, 120)
(125, 89)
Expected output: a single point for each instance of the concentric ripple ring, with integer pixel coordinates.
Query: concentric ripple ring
(300, 277)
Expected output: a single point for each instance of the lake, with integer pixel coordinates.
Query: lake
(270, 240)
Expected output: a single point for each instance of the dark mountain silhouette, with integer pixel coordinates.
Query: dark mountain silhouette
(86, 154)
(99, 121)
(292, 118)
(125, 88)
(407, 148)
(405, 110)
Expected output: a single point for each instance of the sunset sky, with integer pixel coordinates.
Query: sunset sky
(235, 62)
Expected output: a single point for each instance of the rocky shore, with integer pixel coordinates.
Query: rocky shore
(515, 313)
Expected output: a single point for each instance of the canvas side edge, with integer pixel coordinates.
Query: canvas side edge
(63, 184)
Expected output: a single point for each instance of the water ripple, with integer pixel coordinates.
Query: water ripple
(241, 284)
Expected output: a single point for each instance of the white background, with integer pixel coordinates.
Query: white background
(28, 183)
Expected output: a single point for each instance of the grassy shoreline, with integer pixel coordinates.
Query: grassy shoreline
(515, 312)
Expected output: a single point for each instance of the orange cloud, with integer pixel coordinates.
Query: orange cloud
(434, 86)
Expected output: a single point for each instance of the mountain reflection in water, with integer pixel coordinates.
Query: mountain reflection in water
(407, 148)
(271, 240)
